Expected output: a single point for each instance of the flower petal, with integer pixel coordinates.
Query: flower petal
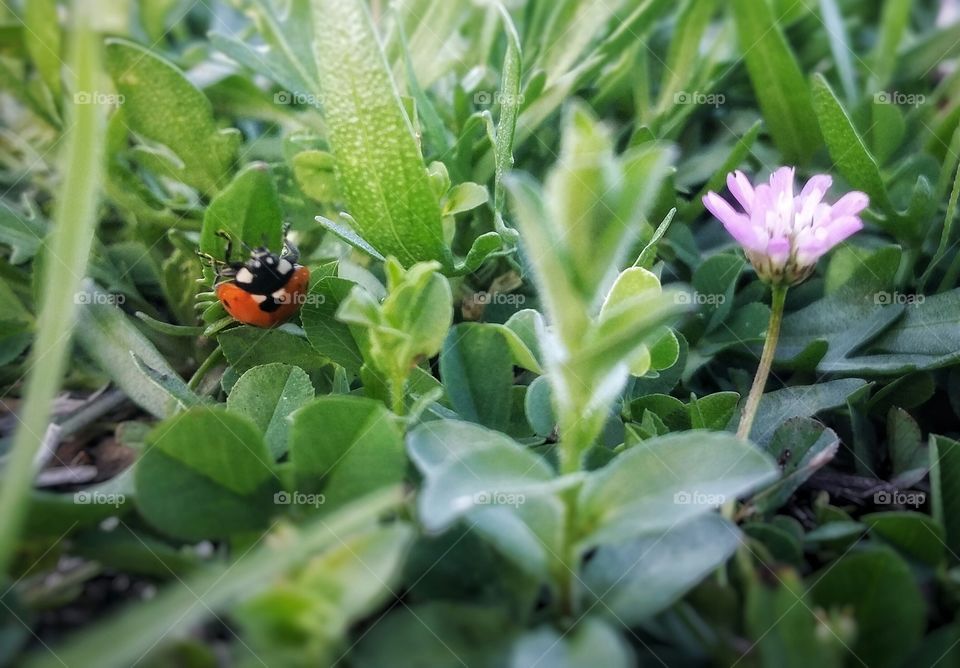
(781, 182)
(850, 204)
(741, 189)
(818, 184)
(736, 223)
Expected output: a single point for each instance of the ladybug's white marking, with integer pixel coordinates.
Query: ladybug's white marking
(284, 267)
(259, 298)
(269, 260)
(280, 296)
(244, 276)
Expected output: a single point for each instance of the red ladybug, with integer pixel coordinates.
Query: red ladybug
(266, 289)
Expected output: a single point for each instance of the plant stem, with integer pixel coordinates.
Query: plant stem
(766, 360)
(67, 250)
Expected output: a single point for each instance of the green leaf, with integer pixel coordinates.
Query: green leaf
(894, 20)
(666, 480)
(379, 168)
(328, 336)
(248, 210)
(887, 605)
(268, 395)
(781, 620)
(477, 371)
(302, 619)
(802, 446)
(466, 466)
(23, 235)
(135, 630)
(713, 411)
(799, 401)
(42, 38)
(851, 156)
(945, 489)
(108, 337)
(351, 445)
(205, 473)
(247, 347)
(777, 79)
(161, 105)
(592, 642)
(914, 534)
(641, 577)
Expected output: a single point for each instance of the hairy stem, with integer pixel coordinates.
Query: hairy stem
(766, 360)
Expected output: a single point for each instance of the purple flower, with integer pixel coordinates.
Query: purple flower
(785, 234)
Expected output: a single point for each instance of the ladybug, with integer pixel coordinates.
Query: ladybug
(266, 289)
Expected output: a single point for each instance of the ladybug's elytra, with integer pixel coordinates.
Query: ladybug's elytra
(266, 289)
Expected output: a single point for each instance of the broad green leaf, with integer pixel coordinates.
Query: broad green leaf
(667, 480)
(268, 395)
(914, 534)
(440, 633)
(777, 79)
(886, 602)
(801, 446)
(206, 473)
(467, 466)
(328, 336)
(799, 401)
(592, 642)
(713, 411)
(379, 168)
(477, 371)
(247, 347)
(248, 210)
(161, 105)
(346, 446)
(643, 576)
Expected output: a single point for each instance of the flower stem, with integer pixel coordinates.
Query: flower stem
(766, 360)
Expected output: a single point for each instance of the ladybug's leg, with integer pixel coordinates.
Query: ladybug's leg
(229, 249)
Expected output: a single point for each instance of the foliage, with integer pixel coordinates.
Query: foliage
(500, 429)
